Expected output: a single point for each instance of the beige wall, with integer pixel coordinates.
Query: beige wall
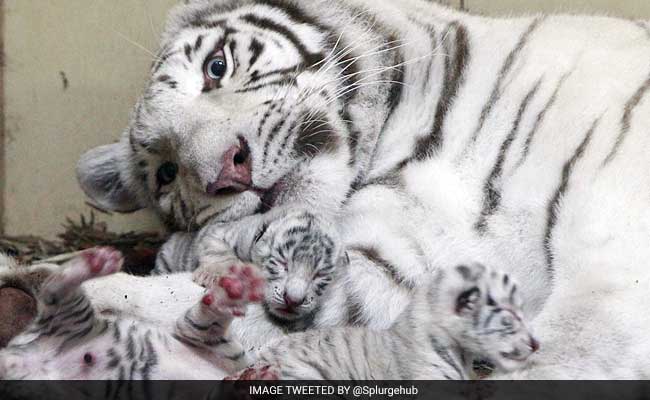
(72, 75)
(622, 8)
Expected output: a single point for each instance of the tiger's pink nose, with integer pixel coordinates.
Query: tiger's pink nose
(292, 302)
(235, 175)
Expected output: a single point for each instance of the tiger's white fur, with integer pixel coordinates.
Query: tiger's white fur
(458, 315)
(520, 143)
(70, 340)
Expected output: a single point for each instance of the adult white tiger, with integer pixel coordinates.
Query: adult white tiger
(425, 135)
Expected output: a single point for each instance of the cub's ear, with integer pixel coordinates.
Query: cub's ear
(98, 173)
(468, 301)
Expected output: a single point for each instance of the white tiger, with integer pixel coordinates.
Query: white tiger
(458, 315)
(70, 340)
(422, 137)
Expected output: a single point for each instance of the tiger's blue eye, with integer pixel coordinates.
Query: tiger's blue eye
(216, 66)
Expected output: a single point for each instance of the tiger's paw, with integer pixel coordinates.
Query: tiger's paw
(262, 373)
(231, 293)
(207, 273)
(101, 261)
(93, 263)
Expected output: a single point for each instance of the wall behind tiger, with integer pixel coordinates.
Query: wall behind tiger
(73, 69)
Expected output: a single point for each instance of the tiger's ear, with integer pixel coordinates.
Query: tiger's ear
(471, 283)
(99, 174)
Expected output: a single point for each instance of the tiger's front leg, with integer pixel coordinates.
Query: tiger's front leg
(207, 323)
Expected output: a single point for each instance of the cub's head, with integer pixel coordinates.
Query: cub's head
(486, 315)
(241, 93)
(299, 257)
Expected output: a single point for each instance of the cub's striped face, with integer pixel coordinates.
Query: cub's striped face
(488, 317)
(299, 262)
(239, 97)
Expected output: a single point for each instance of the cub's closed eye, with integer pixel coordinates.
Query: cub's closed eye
(215, 66)
(167, 173)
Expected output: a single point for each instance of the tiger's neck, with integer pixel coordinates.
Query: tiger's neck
(420, 325)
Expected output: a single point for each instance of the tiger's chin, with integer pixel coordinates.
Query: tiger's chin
(511, 361)
(292, 319)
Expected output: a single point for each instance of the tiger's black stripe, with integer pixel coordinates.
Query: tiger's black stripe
(630, 105)
(373, 255)
(256, 76)
(270, 25)
(278, 82)
(540, 119)
(198, 43)
(492, 197)
(553, 206)
(396, 84)
(271, 135)
(498, 88)
(188, 52)
(256, 48)
(295, 13)
(454, 76)
(626, 119)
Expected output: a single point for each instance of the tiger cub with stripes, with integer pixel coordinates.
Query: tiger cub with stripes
(70, 340)
(424, 136)
(461, 315)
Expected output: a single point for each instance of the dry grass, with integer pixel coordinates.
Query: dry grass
(139, 248)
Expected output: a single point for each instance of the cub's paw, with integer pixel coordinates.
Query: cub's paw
(232, 292)
(260, 373)
(93, 263)
(100, 261)
(209, 272)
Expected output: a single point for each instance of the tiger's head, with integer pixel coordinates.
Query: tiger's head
(300, 261)
(242, 92)
(483, 314)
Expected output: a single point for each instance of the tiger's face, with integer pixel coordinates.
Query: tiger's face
(300, 262)
(488, 320)
(240, 95)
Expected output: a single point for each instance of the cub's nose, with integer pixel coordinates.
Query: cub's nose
(292, 301)
(235, 175)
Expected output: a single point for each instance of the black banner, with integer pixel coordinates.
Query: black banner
(366, 390)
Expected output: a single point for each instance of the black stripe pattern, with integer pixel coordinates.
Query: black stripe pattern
(554, 204)
(491, 191)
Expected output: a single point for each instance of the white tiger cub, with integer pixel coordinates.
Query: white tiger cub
(463, 313)
(460, 315)
(70, 339)
(423, 135)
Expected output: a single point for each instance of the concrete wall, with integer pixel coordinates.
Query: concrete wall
(73, 69)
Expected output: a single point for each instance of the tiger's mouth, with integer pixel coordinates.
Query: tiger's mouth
(282, 313)
(269, 197)
(515, 355)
